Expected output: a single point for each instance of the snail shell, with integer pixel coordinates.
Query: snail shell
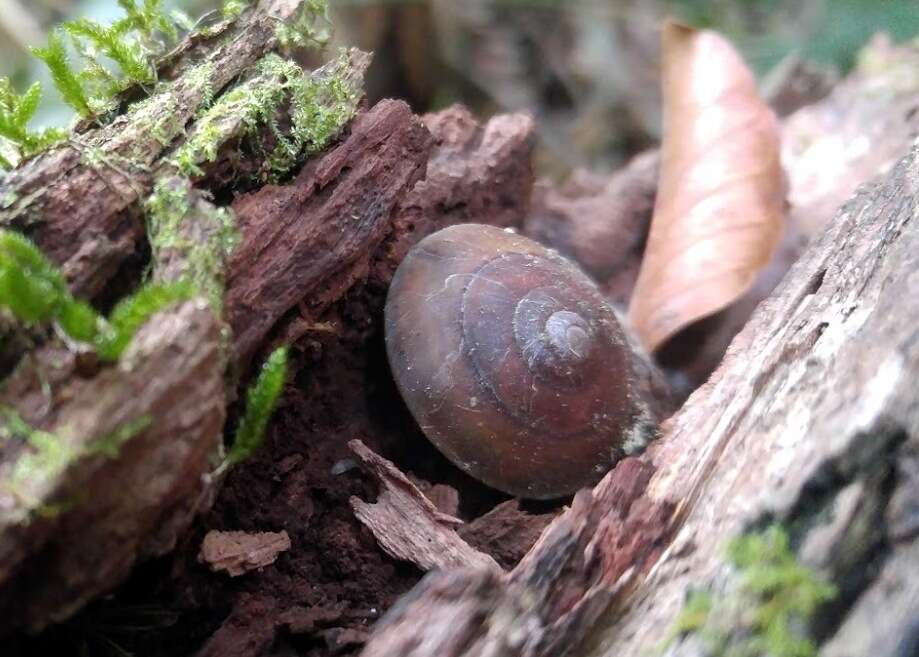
(511, 361)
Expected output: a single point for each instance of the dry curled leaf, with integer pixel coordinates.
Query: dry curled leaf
(718, 213)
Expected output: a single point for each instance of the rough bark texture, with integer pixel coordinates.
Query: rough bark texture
(72, 529)
(313, 239)
(811, 421)
(123, 469)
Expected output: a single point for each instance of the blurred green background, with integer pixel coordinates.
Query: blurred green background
(587, 69)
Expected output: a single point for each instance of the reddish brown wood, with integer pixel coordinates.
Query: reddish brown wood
(312, 240)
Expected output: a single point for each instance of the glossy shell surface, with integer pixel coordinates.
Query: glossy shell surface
(510, 360)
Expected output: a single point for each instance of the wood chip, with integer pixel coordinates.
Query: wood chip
(407, 524)
(236, 553)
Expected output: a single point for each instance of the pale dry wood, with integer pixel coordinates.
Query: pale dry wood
(236, 553)
(407, 524)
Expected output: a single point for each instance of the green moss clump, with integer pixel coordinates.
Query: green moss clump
(133, 312)
(320, 105)
(15, 114)
(261, 399)
(112, 42)
(35, 292)
(31, 287)
(312, 26)
(233, 8)
(65, 78)
(767, 612)
(205, 254)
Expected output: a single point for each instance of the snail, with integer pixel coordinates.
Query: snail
(512, 362)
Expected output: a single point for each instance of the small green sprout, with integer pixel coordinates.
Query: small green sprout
(132, 43)
(55, 57)
(15, 114)
(114, 43)
(261, 399)
(133, 312)
(148, 19)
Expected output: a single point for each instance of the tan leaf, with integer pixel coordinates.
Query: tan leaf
(718, 213)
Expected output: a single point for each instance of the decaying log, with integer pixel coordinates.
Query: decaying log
(365, 181)
(108, 464)
(475, 171)
(812, 421)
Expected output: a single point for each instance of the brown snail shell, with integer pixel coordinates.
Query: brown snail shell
(511, 361)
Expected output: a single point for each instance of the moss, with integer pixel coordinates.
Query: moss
(168, 207)
(65, 79)
(261, 399)
(47, 455)
(134, 311)
(311, 27)
(16, 112)
(113, 56)
(110, 444)
(320, 105)
(694, 614)
(767, 611)
(233, 8)
(35, 292)
(30, 286)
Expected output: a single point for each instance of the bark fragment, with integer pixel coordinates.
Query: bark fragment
(236, 553)
(408, 525)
